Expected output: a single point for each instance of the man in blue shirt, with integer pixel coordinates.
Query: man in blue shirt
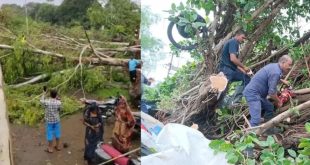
(231, 66)
(263, 84)
(132, 64)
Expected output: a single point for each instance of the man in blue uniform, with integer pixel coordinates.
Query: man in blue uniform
(231, 66)
(263, 84)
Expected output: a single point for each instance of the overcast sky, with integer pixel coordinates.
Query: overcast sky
(159, 30)
(22, 2)
(55, 2)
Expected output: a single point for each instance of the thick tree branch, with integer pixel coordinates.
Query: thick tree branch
(227, 22)
(255, 14)
(261, 29)
(35, 51)
(95, 61)
(276, 120)
(283, 50)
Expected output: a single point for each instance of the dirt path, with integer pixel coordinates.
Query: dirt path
(29, 143)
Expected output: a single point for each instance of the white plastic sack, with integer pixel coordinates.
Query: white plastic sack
(152, 125)
(182, 145)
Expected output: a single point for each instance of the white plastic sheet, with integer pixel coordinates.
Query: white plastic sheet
(181, 145)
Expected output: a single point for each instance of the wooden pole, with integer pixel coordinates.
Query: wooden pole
(127, 153)
(5, 142)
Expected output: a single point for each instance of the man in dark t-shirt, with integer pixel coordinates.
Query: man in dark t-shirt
(231, 66)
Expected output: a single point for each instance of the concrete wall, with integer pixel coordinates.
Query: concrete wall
(5, 154)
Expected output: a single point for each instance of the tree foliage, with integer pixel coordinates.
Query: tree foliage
(22, 64)
(71, 11)
(119, 17)
(274, 23)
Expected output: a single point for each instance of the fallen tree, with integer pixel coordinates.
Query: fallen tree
(95, 61)
(197, 104)
(281, 117)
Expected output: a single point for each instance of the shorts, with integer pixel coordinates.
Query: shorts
(52, 129)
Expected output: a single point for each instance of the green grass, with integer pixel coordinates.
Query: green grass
(104, 93)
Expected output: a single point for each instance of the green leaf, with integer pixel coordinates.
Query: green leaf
(268, 162)
(304, 144)
(307, 126)
(188, 29)
(280, 152)
(266, 154)
(263, 143)
(286, 162)
(173, 6)
(219, 112)
(193, 17)
(181, 23)
(232, 158)
(226, 147)
(215, 144)
(181, 7)
(198, 24)
(209, 5)
(250, 162)
(270, 140)
(242, 1)
(241, 146)
(184, 20)
(306, 152)
(292, 153)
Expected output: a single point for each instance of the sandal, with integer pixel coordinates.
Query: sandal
(48, 151)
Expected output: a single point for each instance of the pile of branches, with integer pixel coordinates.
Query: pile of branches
(199, 104)
(69, 49)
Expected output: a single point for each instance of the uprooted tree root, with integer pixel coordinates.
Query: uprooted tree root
(198, 105)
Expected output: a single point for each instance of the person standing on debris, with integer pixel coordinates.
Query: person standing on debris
(231, 66)
(52, 107)
(263, 84)
(132, 64)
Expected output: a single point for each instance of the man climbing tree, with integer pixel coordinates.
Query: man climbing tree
(231, 66)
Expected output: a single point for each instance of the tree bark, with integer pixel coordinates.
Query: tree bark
(302, 91)
(95, 61)
(204, 96)
(104, 61)
(38, 78)
(35, 51)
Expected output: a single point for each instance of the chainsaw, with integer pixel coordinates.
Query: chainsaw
(285, 94)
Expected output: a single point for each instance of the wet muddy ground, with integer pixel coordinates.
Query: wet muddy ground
(29, 143)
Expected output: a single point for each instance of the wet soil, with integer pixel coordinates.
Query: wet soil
(29, 143)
